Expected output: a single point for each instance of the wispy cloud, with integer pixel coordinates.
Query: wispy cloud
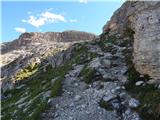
(73, 20)
(44, 18)
(21, 30)
(83, 1)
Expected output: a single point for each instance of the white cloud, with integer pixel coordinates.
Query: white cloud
(83, 1)
(73, 20)
(53, 17)
(36, 22)
(45, 18)
(21, 30)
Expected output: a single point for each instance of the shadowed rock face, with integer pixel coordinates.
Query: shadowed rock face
(144, 19)
(36, 37)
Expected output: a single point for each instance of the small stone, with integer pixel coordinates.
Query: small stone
(77, 98)
(56, 115)
(116, 90)
(76, 84)
(152, 82)
(122, 95)
(46, 95)
(123, 87)
(72, 104)
(116, 104)
(133, 103)
(49, 101)
(141, 76)
(87, 112)
(109, 97)
(83, 106)
(56, 105)
(138, 83)
(106, 63)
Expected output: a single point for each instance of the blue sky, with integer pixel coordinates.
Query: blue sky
(31, 16)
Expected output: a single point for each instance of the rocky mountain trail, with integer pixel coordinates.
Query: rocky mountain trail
(97, 78)
(103, 99)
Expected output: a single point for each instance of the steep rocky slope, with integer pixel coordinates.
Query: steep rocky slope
(31, 48)
(95, 80)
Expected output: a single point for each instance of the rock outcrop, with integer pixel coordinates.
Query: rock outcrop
(143, 18)
(147, 43)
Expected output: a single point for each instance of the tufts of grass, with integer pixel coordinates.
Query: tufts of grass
(56, 88)
(105, 105)
(149, 97)
(40, 108)
(87, 74)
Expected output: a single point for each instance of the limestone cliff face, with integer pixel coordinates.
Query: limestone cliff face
(147, 43)
(144, 19)
(36, 37)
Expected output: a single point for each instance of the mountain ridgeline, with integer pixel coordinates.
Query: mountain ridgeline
(37, 37)
(80, 76)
